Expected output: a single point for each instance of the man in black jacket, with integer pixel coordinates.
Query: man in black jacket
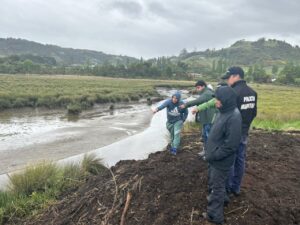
(247, 105)
(223, 140)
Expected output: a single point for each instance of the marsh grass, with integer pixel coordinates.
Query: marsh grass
(75, 92)
(278, 107)
(74, 108)
(41, 184)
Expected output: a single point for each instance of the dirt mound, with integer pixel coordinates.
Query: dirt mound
(167, 190)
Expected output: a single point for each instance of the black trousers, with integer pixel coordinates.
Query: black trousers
(217, 182)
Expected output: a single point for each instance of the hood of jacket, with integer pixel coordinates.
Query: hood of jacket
(228, 98)
(177, 94)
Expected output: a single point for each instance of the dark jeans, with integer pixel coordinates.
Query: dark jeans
(205, 131)
(217, 183)
(237, 170)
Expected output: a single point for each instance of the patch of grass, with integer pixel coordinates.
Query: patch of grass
(72, 176)
(92, 164)
(191, 127)
(23, 206)
(276, 125)
(40, 185)
(62, 91)
(278, 107)
(38, 178)
(74, 108)
(5, 197)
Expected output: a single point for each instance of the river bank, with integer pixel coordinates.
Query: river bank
(166, 189)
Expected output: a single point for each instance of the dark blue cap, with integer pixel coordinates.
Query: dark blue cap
(235, 70)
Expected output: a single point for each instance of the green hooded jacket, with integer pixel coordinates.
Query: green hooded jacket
(206, 105)
(205, 116)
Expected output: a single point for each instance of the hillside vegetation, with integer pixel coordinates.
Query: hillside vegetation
(57, 55)
(264, 61)
(262, 51)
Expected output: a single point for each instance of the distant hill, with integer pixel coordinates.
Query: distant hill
(266, 52)
(63, 56)
(263, 60)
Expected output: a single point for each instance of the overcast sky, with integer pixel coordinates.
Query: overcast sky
(149, 28)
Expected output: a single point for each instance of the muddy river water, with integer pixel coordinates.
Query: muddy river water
(31, 136)
(129, 131)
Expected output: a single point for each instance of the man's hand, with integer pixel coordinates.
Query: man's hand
(182, 106)
(194, 110)
(154, 110)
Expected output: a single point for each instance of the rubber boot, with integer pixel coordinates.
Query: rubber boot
(174, 151)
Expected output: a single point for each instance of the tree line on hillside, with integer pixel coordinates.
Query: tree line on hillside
(161, 67)
(156, 68)
(66, 56)
(249, 53)
(289, 74)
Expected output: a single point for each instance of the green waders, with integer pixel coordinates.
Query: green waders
(175, 130)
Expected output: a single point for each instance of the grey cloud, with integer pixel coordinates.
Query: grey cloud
(129, 8)
(157, 8)
(149, 27)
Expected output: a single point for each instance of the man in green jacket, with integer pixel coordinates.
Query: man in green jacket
(207, 105)
(204, 117)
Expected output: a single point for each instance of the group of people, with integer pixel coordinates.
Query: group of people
(225, 116)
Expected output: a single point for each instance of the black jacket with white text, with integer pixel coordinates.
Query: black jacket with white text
(246, 103)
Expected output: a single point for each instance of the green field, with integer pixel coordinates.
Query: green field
(65, 91)
(278, 106)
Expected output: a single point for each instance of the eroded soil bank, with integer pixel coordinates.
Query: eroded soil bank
(166, 189)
